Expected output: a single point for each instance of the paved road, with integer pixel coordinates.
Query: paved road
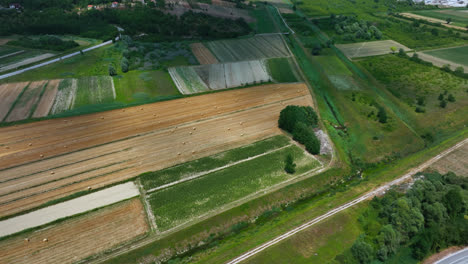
(332, 212)
(52, 61)
(459, 257)
(72, 207)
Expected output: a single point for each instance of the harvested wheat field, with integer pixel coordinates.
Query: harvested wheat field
(79, 237)
(62, 156)
(47, 99)
(455, 162)
(8, 94)
(23, 107)
(203, 54)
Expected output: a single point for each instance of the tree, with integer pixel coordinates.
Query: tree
(443, 104)
(290, 166)
(393, 49)
(448, 19)
(112, 71)
(435, 32)
(441, 97)
(161, 3)
(459, 70)
(306, 136)
(401, 53)
(81, 52)
(451, 98)
(454, 203)
(362, 251)
(382, 114)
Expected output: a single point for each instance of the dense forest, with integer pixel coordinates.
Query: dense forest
(429, 217)
(153, 24)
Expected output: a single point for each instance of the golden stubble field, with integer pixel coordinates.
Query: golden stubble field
(50, 159)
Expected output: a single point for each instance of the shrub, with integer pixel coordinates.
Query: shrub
(443, 103)
(290, 166)
(451, 98)
(382, 114)
(112, 71)
(124, 64)
(420, 110)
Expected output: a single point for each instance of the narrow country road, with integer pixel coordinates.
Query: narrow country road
(459, 257)
(52, 61)
(332, 212)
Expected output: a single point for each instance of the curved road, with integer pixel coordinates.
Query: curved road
(459, 257)
(52, 61)
(366, 196)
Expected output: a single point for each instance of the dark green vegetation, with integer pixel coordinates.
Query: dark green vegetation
(458, 55)
(458, 16)
(98, 24)
(416, 85)
(208, 193)
(158, 178)
(44, 42)
(350, 29)
(289, 166)
(267, 19)
(410, 226)
(282, 70)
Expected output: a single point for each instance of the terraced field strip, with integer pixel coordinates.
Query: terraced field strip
(77, 238)
(255, 48)
(187, 80)
(61, 156)
(370, 48)
(203, 54)
(29, 98)
(94, 90)
(47, 99)
(8, 94)
(69, 208)
(456, 162)
(456, 55)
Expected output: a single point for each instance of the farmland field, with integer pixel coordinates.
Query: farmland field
(8, 94)
(79, 237)
(282, 70)
(255, 48)
(65, 96)
(222, 187)
(196, 79)
(47, 99)
(455, 162)
(457, 55)
(203, 54)
(99, 149)
(24, 105)
(372, 48)
(94, 90)
(23, 59)
(459, 16)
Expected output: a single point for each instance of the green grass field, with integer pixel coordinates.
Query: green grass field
(93, 90)
(143, 85)
(154, 179)
(459, 16)
(458, 55)
(208, 193)
(282, 70)
(408, 81)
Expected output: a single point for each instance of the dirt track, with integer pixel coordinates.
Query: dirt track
(432, 20)
(203, 54)
(77, 238)
(438, 61)
(113, 146)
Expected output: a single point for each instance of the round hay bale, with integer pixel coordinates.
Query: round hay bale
(89, 188)
(26, 239)
(194, 128)
(45, 240)
(7, 147)
(30, 144)
(102, 117)
(52, 172)
(190, 133)
(41, 155)
(178, 153)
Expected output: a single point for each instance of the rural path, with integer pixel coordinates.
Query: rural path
(72, 207)
(432, 20)
(53, 61)
(438, 61)
(459, 257)
(334, 211)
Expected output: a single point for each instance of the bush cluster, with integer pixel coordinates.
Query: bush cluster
(300, 121)
(351, 29)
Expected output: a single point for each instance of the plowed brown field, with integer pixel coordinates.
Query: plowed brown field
(456, 162)
(203, 54)
(23, 107)
(99, 149)
(8, 94)
(77, 238)
(47, 99)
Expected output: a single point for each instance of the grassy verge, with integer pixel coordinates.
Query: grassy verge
(154, 179)
(281, 70)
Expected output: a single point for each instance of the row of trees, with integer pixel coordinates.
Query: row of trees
(300, 121)
(350, 28)
(427, 219)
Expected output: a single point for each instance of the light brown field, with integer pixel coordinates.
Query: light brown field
(439, 62)
(432, 20)
(456, 162)
(370, 48)
(99, 149)
(203, 54)
(25, 103)
(8, 94)
(47, 99)
(79, 237)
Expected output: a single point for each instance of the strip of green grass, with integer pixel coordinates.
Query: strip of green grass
(280, 70)
(458, 55)
(459, 16)
(185, 201)
(155, 179)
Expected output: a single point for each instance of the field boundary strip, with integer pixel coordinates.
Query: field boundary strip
(201, 174)
(69, 208)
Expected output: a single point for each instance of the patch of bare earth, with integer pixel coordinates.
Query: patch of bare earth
(203, 54)
(62, 156)
(456, 162)
(77, 238)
